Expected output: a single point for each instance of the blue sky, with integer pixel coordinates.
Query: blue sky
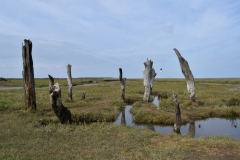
(99, 36)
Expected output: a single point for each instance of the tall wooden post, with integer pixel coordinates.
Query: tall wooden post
(177, 124)
(122, 83)
(28, 76)
(148, 78)
(188, 75)
(69, 79)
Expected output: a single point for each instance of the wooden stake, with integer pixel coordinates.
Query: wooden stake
(122, 83)
(177, 124)
(51, 83)
(28, 76)
(69, 79)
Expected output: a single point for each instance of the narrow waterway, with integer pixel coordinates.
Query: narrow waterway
(207, 127)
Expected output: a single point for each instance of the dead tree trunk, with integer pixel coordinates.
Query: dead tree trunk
(28, 76)
(63, 114)
(51, 83)
(122, 83)
(188, 75)
(148, 75)
(69, 79)
(177, 124)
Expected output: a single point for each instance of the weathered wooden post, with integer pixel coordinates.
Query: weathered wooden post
(148, 78)
(69, 79)
(177, 124)
(63, 114)
(84, 95)
(123, 119)
(51, 83)
(122, 83)
(188, 75)
(28, 76)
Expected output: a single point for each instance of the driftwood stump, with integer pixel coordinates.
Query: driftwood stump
(188, 75)
(63, 114)
(69, 79)
(28, 76)
(148, 78)
(122, 83)
(177, 124)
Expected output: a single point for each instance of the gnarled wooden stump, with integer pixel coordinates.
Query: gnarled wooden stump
(63, 114)
(188, 75)
(148, 78)
(69, 79)
(28, 76)
(122, 83)
(177, 124)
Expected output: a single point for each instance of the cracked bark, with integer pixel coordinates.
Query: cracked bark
(28, 76)
(148, 78)
(187, 74)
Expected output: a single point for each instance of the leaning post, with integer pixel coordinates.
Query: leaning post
(28, 76)
(188, 75)
(148, 78)
(69, 79)
(177, 124)
(122, 83)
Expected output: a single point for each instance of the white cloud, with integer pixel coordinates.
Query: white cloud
(105, 35)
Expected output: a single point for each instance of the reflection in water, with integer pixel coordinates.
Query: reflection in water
(233, 123)
(207, 127)
(191, 130)
(123, 120)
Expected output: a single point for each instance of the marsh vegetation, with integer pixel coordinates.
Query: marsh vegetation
(39, 135)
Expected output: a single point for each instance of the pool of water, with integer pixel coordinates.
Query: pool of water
(198, 128)
(156, 102)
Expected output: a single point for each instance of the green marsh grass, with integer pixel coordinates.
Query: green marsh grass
(38, 134)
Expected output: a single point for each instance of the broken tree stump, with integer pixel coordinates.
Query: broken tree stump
(69, 79)
(122, 83)
(148, 78)
(63, 114)
(28, 76)
(188, 75)
(177, 124)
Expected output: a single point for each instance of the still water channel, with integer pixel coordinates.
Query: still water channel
(198, 128)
